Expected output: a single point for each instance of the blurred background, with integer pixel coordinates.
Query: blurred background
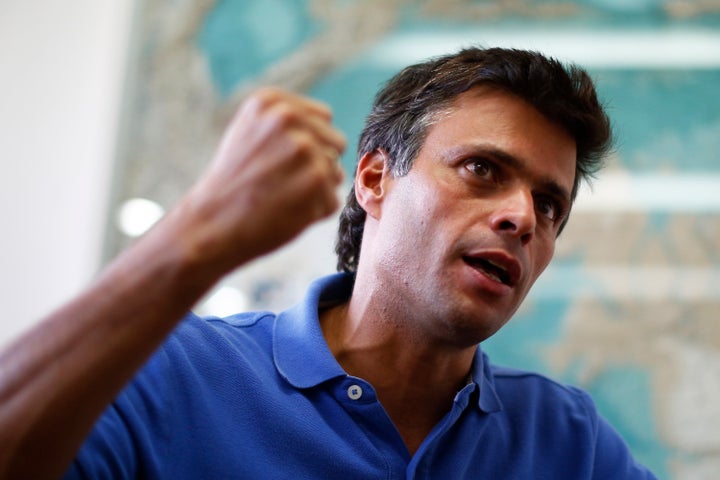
(109, 110)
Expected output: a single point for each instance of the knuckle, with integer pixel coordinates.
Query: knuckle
(316, 180)
(319, 188)
(268, 95)
(340, 140)
(301, 146)
(342, 144)
(285, 115)
(324, 111)
(262, 99)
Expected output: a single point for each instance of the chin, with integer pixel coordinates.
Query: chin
(468, 329)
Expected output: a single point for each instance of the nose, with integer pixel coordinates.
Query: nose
(514, 215)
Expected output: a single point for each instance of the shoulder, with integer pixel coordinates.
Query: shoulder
(515, 385)
(211, 331)
(199, 352)
(560, 414)
(198, 372)
(535, 401)
(213, 339)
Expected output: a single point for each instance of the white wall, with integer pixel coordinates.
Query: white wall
(61, 76)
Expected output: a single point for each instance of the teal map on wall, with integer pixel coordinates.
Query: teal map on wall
(629, 309)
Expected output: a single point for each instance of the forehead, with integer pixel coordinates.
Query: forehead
(492, 118)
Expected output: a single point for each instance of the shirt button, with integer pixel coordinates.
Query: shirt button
(354, 392)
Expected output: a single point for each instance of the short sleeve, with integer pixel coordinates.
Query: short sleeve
(613, 458)
(126, 442)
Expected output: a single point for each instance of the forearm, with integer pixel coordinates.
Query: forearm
(56, 380)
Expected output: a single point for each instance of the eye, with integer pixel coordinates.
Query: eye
(550, 208)
(482, 168)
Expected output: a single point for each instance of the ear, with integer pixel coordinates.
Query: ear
(371, 181)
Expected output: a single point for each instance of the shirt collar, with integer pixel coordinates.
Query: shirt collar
(301, 353)
(304, 359)
(482, 377)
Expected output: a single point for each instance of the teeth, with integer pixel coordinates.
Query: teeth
(494, 271)
(493, 276)
(491, 269)
(499, 267)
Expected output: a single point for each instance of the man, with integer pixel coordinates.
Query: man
(467, 169)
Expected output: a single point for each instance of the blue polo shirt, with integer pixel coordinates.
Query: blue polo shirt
(260, 395)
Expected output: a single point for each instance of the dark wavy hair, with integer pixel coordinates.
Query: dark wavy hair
(410, 102)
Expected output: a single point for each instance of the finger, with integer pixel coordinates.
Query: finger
(333, 157)
(277, 113)
(339, 172)
(301, 110)
(328, 203)
(312, 106)
(329, 135)
(265, 97)
(292, 114)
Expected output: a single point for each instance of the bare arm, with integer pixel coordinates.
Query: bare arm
(274, 173)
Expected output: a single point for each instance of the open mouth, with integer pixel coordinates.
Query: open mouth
(491, 269)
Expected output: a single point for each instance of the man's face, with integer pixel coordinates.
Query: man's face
(464, 235)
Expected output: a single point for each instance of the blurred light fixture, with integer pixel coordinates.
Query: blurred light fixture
(224, 301)
(137, 215)
(675, 192)
(666, 48)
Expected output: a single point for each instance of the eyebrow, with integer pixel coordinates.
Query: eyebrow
(516, 163)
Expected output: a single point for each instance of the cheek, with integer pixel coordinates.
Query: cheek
(545, 253)
(400, 233)
(416, 209)
(416, 237)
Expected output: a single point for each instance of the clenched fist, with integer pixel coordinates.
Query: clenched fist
(275, 172)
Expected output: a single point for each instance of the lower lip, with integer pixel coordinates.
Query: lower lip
(488, 284)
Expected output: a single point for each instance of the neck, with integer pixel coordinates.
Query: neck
(416, 378)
